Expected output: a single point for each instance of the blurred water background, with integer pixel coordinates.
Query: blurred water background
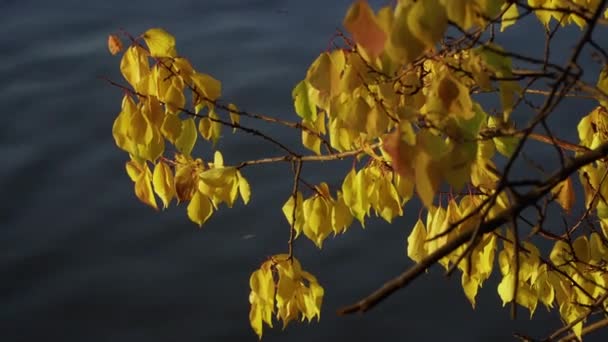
(81, 259)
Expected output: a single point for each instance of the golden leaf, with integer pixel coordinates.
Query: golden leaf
(160, 43)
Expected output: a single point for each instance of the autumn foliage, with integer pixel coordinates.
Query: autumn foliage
(399, 97)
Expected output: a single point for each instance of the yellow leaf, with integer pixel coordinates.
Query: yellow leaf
(313, 299)
(341, 217)
(143, 187)
(133, 170)
(416, 249)
(209, 128)
(187, 138)
(288, 209)
(218, 159)
(114, 44)
(304, 101)
(199, 208)
(262, 298)
(597, 250)
(208, 86)
(427, 178)
(561, 254)
(388, 204)
(235, 117)
(244, 188)
(171, 127)
(139, 130)
(163, 181)
(470, 285)
(506, 288)
(122, 123)
(485, 263)
(220, 184)
(361, 22)
(543, 15)
(219, 176)
(134, 65)
(462, 12)
(323, 76)
(184, 68)
(403, 46)
(316, 220)
(360, 206)
(377, 122)
(160, 43)
(311, 140)
(174, 99)
(510, 16)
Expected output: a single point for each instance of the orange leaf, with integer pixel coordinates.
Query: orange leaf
(361, 22)
(564, 194)
(400, 152)
(114, 44)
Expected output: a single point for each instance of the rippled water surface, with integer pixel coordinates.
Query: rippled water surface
(82, 260)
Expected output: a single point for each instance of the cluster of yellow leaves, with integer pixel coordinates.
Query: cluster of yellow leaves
(531, 284)
(593, 131)
(580, 278)
(426, 159)
(150, 118)
(440, 228)
(429, 128)
(205, 186)
(339, 99)
(574, 281)
(281, 287)
(318, 215)
(376, 188)
(333, 99)
(373, 188)
(555, 9)
(142, 127)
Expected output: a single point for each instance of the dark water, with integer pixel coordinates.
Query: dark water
(82, 260)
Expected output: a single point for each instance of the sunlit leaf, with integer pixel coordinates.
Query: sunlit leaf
(510, 16)
(207, 85)
(187, 138)
(160, 43)
(164, 183)
(199, 208)
(244, 188)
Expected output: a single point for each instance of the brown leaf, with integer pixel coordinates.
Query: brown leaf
(564, 194)
(400, 152)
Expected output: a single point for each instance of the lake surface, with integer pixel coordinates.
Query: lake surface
(81, 259)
